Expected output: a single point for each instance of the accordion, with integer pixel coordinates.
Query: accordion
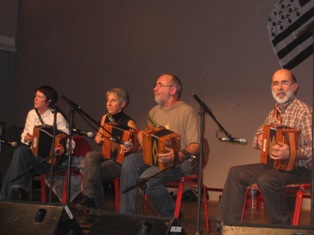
(271, 136)
(42, 142)
(111, 149)
(154, 141)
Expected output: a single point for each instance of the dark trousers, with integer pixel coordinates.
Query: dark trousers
(270, 182)
(21, 162)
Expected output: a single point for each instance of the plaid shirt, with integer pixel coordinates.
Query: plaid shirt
(298, 115)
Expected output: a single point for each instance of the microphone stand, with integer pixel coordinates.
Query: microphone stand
(82, 112)
(53, 149)
(32, 168)
(141, 182)
(73, 108)
(200, 171)
(70, 148)
(207, 110)
(203, 108)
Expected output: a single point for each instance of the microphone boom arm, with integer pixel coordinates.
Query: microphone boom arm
(81, 111)
(207, 110)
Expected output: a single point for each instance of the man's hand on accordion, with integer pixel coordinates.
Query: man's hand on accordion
(168, 156)
(280, 151)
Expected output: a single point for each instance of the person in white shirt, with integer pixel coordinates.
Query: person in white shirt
(16, 184)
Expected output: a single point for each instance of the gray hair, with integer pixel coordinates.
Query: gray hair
(121, 93)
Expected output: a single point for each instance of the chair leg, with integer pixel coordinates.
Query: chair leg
(244, 205)
(31, 186)
(43, 188)
(297, 209)
(178, 201)
(117, 193)
(65, 189)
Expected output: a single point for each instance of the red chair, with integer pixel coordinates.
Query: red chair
(82, 147)
(301, 191)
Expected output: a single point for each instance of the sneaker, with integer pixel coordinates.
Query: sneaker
(85, 203)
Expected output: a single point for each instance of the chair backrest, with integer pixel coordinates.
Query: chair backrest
(82, 147)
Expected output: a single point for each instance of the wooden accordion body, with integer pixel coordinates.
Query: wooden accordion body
(271, 136)
(42, 143)
(154, 141)
(111, 149)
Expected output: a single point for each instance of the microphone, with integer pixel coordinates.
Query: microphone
(12, 144)
(188, 154)
(80, 132)
(233, 140)
(125, 143)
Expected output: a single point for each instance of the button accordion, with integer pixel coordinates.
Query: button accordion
(271, 136)
(111, 149)
(154, 141)
(42, 143)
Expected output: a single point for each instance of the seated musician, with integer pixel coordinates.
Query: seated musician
(97, 167)
(290, 112)
(179, 117)
(14, 186)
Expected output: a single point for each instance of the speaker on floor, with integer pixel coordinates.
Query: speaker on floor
(121, 224)
(34, 218)
(261, 229)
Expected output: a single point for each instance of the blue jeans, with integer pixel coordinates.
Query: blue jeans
(21, 162)
(96, 169)
(134, 168)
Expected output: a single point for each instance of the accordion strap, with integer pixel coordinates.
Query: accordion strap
(39, 116)
(293, 152)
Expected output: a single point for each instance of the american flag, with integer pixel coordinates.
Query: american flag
(289, 26)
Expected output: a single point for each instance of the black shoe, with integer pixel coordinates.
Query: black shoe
(88, 220)
(85, 203)
(14, 193)
(17, 193)
(24, 196)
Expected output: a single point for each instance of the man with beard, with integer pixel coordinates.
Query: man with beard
(290, 112)
(179, 117)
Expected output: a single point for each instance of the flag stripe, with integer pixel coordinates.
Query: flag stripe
(293, 27)
(288, 18)
(299, 58)
(286, 50)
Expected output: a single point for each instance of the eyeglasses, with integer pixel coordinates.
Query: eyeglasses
(160, 85)
(284, 82)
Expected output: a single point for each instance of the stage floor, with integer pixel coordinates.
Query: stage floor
(189, 210)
